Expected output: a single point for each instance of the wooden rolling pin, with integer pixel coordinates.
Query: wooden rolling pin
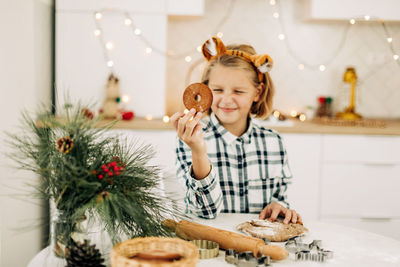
(226, 239)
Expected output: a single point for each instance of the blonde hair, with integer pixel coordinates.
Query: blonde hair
(263, 107)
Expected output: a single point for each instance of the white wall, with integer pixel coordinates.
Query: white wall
(25, 81)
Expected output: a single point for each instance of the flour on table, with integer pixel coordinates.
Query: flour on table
(274, 231)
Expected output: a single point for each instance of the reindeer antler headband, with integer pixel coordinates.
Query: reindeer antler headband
(214, 48)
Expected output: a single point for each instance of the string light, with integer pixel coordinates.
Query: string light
(125, 99)
(98, 15)
(109, 45)
(395, 57)
(322, 67)
(149, 117)
(272, 2)
(188, 58)
(128, 22)
(281, 36)
(302, 117)
(366, 17)
(275, 15)
(389, 39)
(97, 32)
(149, 50)
(300, 66)
(352, 21)
(293, 113)
(165, 119)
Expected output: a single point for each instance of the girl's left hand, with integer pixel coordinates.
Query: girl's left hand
(273, 210)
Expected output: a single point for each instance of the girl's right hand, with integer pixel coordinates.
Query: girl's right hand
(189, 130)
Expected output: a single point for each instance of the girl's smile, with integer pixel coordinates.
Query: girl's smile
(233, 96)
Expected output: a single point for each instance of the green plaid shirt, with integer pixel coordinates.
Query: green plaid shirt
(247, 172)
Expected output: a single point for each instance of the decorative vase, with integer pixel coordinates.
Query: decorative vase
(58, 226)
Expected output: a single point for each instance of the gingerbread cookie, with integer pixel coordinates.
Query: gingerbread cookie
(274, 231)
(197, 96)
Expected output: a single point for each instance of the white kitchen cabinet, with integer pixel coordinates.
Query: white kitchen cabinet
(304, 153)
(360, 181)
(345, 10)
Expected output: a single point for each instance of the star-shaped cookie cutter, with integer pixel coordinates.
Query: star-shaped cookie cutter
(304, 251)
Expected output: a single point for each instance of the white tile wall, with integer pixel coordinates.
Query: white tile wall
(365, 48)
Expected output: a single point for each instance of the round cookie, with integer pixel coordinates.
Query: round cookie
(197, 96)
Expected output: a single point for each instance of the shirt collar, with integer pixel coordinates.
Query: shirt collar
(227, 136)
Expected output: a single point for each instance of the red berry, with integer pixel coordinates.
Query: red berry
(106, 170)
(115, 168)
(103, 166)
(94, 172)
(100, 176)
(117, 173)
(113, 164)
(109, 165)
(110, 174)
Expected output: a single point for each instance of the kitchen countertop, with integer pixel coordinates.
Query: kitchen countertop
(381, 127)
(350, 246)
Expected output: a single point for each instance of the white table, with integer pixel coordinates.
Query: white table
(351, 247)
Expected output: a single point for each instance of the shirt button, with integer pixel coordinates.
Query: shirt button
(241, 192)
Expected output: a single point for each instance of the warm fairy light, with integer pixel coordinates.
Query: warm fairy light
(110, 63)
(128, 22)
(220, 34)
(272, 2)
(98, 15)
(186, 111)
(389, 39)
(293, 113)
(352, 21)
(165, 119)
(188, 58)
(199, 48)
(281, 36)
(97, 32)
(302, 117)
(149, 117)
(149, 50)
(366, 17)
(109, 45)
(170, 52)
(137, 31)
(275, 15)
(395, 57)
(301, 66)
(322, 67)
(276, 114)
(125, 99)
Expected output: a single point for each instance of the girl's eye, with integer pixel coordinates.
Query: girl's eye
(217, 90)
(239, 92)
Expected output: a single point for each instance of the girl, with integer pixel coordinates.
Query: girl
(232, 164)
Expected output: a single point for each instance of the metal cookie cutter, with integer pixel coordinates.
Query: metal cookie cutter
(246, 259)
(312, 251)
(207, 249)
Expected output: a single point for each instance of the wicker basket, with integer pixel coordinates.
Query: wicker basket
(123, 254)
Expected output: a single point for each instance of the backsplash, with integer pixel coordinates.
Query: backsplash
(315, 42)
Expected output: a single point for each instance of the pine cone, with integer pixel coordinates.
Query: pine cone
(84, 255)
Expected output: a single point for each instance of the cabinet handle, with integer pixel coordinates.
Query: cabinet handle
(376, 219)
(380, 164)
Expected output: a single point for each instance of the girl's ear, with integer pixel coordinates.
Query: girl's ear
(260, 90)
